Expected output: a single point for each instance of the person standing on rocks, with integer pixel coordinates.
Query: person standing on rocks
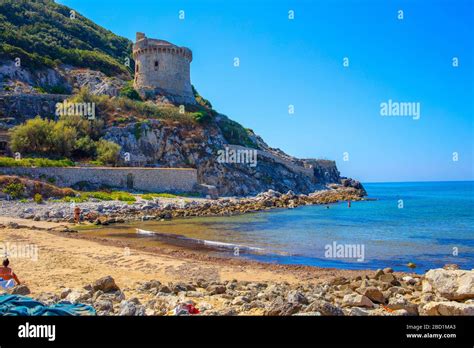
(7, 276)
(77, 214)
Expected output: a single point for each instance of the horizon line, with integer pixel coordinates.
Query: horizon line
(414, 182)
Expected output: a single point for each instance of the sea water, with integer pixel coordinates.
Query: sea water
(429, 224)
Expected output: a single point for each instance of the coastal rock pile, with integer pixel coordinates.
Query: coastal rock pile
(100, 212)
(263, 201)
(383, 293)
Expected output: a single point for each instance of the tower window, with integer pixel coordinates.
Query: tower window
(137, 67)
(156, 65)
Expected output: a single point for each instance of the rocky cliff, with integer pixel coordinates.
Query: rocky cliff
(161, 144)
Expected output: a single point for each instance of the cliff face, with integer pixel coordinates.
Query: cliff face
(162, 144)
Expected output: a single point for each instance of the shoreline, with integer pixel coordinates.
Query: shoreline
(155, 281)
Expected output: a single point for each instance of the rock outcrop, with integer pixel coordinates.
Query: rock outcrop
(450, 284)
(162, 144)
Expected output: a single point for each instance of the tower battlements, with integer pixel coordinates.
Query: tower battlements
(162, 68)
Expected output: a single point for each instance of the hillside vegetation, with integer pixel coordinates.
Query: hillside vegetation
(43, 34)
(80, 139)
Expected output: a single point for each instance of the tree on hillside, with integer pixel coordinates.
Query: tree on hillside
(33, 137)
(108, 152)
(64, 138)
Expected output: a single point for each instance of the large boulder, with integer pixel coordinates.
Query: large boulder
(20, 290)
(216, 289)
(399, 302)
(78, 296)
(373, 293)
(131, 307)
(325, 308)
(356, 300)
(106, 284)
(450, 284)
(282, 307)
(447, 308)
(295, 296)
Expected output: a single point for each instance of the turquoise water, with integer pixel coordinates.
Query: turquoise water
(436, 218)
(434, 227)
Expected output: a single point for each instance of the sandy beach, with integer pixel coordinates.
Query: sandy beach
(117, 278)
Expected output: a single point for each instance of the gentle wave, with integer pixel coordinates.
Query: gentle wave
(170, 237)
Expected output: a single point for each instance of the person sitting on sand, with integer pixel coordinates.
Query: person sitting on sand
(7, 277)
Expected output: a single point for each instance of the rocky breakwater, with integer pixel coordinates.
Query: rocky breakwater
(106, 212)
(439, 292)
(228, 206)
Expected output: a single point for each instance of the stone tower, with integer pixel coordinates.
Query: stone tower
(162, 68)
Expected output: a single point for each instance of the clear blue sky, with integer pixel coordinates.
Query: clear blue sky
(299, 62)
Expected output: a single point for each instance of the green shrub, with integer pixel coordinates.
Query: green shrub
(70, 136)
(38, 198)
(85, 147)
(105, 196)
(123, 196)
(34, 162)
(83, 126)
(32, 137)
(108, 152)
(63, 139)
(43, 137)
(129, 92)
(150, 196)
(201, 116)
(39, 89)
(96, 163)
(51, 89)
(31, 60)
(137, 130)
(234, 133)
(76, 199)
(133, 109)
(14, 190)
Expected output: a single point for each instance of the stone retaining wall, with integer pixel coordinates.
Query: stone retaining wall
(141, 179)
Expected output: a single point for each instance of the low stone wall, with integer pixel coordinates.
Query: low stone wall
(142, 179)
